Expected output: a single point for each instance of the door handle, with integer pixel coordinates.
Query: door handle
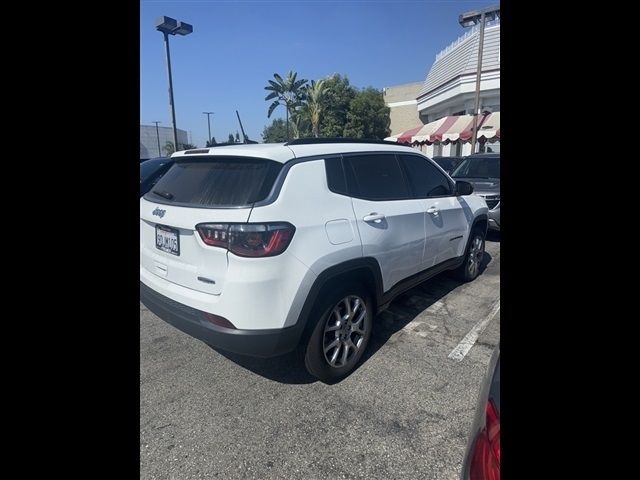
(433, 211)
(374, 217)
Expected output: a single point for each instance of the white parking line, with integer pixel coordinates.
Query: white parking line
(470, 338)
(435, 307)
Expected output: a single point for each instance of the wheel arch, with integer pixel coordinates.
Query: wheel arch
(365, 271)
(482, 222)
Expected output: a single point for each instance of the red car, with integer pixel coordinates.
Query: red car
(482, 460)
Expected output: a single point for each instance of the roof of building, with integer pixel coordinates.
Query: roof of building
(461, 57)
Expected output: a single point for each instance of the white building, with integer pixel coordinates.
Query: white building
(450, 86)
(149, 140)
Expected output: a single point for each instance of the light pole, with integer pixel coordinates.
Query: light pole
(208, 124)
(158, 137)
(169, 26)
(470, 19)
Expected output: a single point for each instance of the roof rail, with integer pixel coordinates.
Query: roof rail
(224, 144)
(313, 141)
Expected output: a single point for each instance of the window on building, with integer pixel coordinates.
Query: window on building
(437, 150)
(457, 152)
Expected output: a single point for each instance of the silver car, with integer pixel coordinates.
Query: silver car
(482, 170)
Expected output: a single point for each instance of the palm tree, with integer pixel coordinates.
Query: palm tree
(169, 148)
(288, 92)
(314, 95)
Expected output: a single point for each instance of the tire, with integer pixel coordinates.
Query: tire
(325, 362)
(473, 256)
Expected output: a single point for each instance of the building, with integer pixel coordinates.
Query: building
(401, 101)
(450, 86)
(149, 140)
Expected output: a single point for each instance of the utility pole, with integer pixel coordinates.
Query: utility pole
(158, 138)
(208, 124)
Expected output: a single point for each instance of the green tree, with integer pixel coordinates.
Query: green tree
(169, 148)
(237, 137)
(314, 104)
(368, 116)
(288, 92)
(212, 142)
(276, 132)
(231, 138)
(336, 101)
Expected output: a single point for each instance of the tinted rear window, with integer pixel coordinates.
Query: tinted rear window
(219, 182)
(335, 176)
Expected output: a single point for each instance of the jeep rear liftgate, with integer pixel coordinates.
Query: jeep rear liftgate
(211, 191)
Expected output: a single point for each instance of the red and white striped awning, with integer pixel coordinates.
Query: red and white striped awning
(451, 129)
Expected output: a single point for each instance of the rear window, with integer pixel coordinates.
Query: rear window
(216, 182)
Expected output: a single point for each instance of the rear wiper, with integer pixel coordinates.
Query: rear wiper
(167, 195)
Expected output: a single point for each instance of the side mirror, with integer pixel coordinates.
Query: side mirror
(463, 188)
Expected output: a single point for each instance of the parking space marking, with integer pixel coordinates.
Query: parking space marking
(435, 307)
(412, 325)
(470, 338)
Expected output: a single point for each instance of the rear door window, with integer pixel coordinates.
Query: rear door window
(216, 182)
(376, 177)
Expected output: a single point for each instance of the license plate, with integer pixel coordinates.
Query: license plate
(168, 239)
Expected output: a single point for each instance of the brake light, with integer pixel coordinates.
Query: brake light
(216, 235)
(485, 461)
(248, 239)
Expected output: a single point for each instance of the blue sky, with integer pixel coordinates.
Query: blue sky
(236, 46)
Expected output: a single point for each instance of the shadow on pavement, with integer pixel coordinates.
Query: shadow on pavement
(493, 236)
(290, 368)
(287, 368)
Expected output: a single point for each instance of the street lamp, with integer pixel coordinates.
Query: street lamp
(158, 137)
(208, 124)
(470, 19)
(170, 26)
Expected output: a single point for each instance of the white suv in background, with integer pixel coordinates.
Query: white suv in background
(260, 249)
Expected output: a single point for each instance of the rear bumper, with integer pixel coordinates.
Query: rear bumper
(256, 343)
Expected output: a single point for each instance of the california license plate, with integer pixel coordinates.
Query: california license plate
(168, 239)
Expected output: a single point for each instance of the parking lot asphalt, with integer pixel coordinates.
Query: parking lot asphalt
(404, 413)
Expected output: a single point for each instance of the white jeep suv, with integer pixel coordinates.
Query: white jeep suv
(260, 249)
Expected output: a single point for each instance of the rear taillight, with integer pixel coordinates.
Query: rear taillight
(485, 460)
(248, 239)
(216, 235)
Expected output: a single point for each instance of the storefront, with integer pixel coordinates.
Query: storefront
(449, 135)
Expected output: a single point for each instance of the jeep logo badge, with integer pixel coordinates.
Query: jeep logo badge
(159, 212)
